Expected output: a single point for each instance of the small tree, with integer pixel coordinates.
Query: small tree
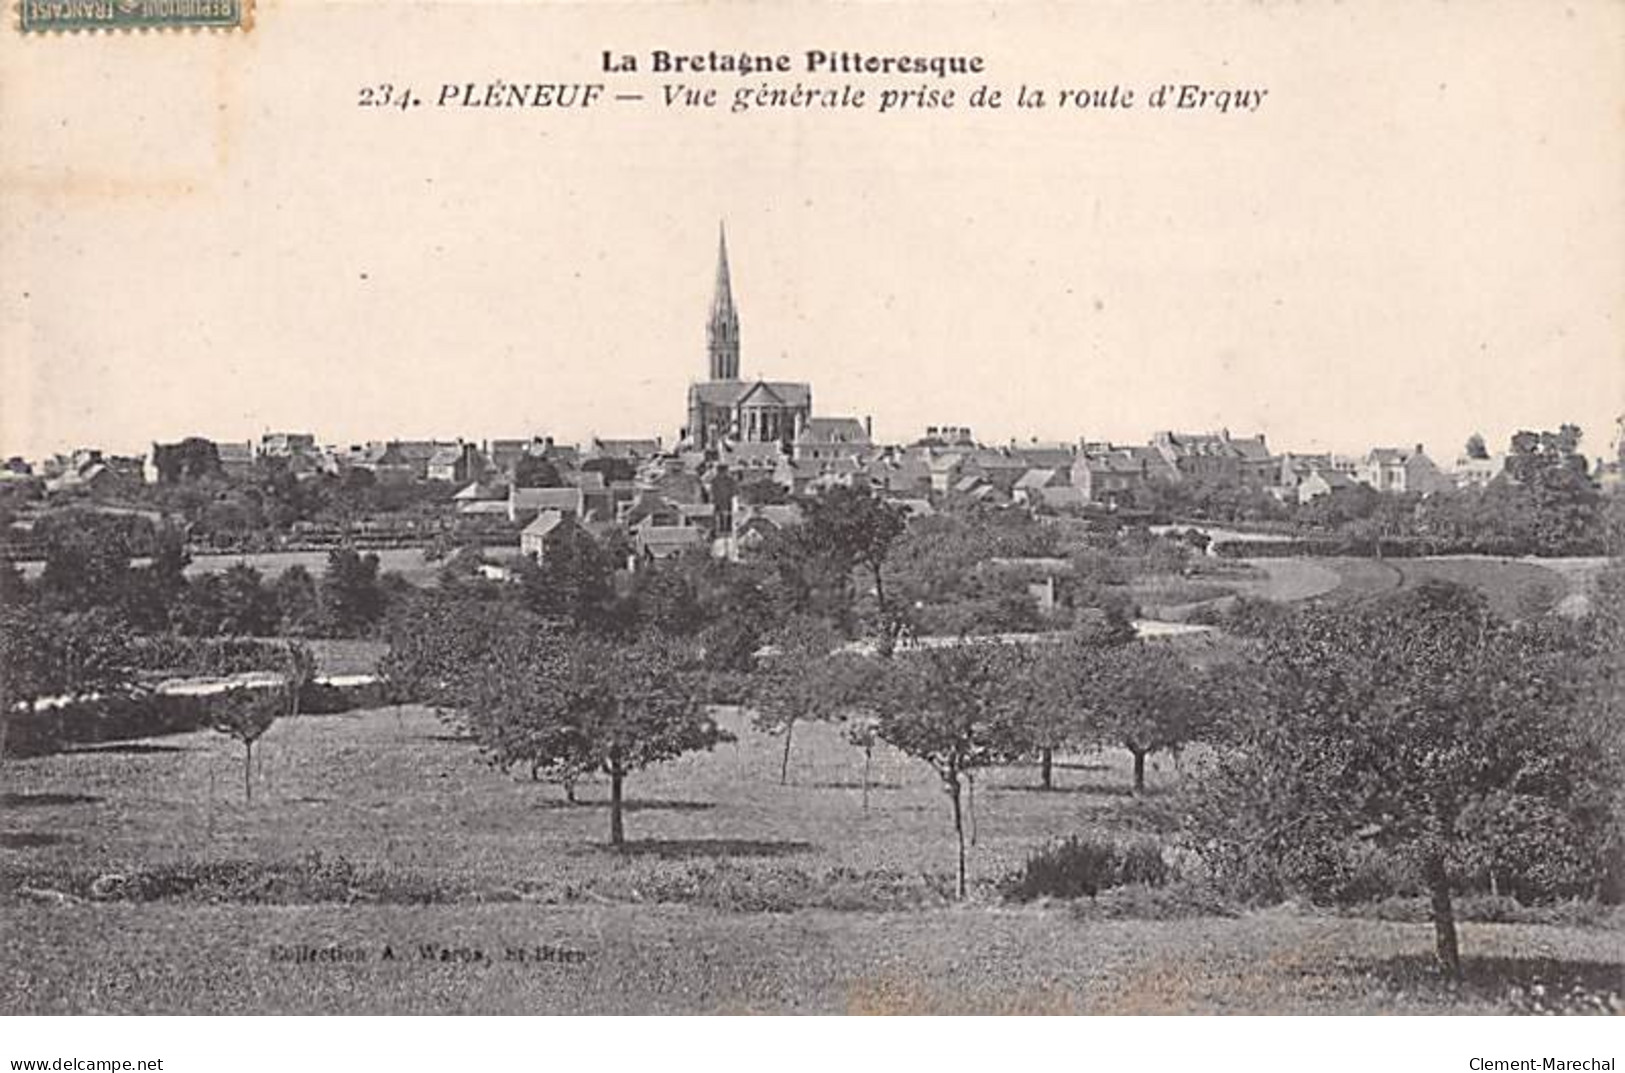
(246, 713)
(1143, 697)
(1055, 679)
(797, 682)
(952, 708)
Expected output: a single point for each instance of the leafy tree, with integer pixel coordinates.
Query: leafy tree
(951, 707)
(579, 702)
(1143, 696)
(247, 712)
(247, 608)
(797, 682)
(1053, 679)
(1419, 726)
(58, 655)
(1476, 447)
(858, 529)
(298, 607)
(536, 471)
(351, 598)
(572, 584)
(87, 563)
(667, 599)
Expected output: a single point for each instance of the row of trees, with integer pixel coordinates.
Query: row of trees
(89, 567)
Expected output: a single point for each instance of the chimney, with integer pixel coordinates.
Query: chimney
(869, 426)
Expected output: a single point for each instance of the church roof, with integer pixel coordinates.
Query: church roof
(731, 393)
(832, 430)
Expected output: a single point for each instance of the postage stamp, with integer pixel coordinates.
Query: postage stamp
(44, 16)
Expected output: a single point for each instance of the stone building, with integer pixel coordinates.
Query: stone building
(726, 408)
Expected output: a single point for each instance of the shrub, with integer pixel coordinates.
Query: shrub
(1087, 865)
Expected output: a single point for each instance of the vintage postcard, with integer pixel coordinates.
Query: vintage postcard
(926, 508)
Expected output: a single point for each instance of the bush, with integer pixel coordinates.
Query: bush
(1087, 865)
(1178, 900)
(310, 879)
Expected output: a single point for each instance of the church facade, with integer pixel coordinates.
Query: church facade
(725, 408)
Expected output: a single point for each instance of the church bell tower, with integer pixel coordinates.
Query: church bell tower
(722, 331)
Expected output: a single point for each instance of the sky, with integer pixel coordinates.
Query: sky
(1419, 234)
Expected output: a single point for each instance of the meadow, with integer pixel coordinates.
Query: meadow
(134, 878)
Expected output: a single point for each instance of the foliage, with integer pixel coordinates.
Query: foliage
(952, 707)
(1418, 725)
(799, 681)
(1086, 865)
(352, 601)
(855, 529)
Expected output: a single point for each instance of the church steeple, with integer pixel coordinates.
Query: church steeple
(722, 331)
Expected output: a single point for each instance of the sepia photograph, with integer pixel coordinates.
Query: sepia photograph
(924, 509)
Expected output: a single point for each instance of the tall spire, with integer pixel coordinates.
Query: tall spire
(722, 331)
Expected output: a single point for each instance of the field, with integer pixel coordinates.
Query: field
(1514, 587)
(735, 894)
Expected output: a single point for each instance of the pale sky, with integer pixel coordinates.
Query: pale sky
(1421, 233)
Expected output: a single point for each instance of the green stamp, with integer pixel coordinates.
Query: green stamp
(42, 16)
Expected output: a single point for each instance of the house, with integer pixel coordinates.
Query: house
(1397, 470)
(628, 450)
(664, 541)
(756, 458)
(913, 508)
(1061, 497)
(1113, 477)
(524, 503)
(1218, 458)
(946, 436)
(455, 463)
(824, 438)
(287, 444)
(755, 523)
(236, 460)
(1323, 482)
(544, 533)
(1036, 455)
(1032, 482)
(1470, 472)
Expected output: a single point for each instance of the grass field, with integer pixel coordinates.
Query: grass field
(1514, 587)
(660, 927)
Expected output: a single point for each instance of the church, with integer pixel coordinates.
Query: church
(726, 408)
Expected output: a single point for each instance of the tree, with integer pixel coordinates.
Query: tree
(247, 608)
(58, 655)
(87, 562)
(1416, 726)
(189, 460)
(582, 702)
(1476, 448)
(797, 682)
(298, 607)
(536, 471)
(352, 600)
(246, 712)
(572, 583)
(951, 707)
(859, 529)
(1142, 696)
(1054, 679)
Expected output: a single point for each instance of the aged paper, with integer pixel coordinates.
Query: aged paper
(667, 233)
